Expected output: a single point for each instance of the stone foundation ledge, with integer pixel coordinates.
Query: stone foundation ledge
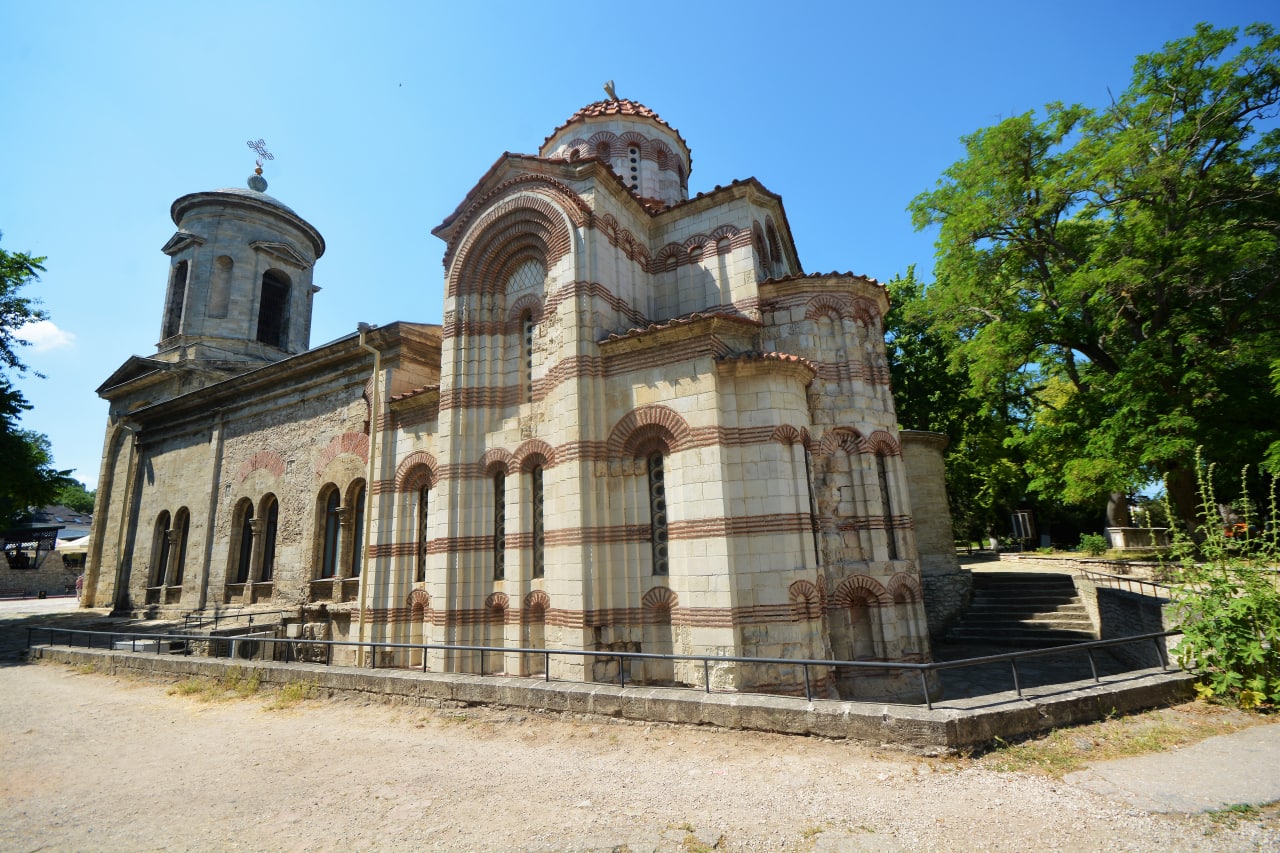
(953, 726)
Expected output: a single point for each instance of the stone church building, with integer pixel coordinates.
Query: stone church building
(640, 427)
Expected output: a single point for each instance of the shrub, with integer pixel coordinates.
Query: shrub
(1228, 604)
(1093, 544)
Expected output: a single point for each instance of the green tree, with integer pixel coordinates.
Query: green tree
(73, 495)
(1120, 267)
(931, 392)
(27, 475)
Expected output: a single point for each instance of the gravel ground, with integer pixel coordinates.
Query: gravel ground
(92, 762)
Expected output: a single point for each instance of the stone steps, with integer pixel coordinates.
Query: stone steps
(1024, 610)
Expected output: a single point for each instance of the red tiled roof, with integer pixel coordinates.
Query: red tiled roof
(620, 107)
(682, 321)
(769, 356)
(395, 398)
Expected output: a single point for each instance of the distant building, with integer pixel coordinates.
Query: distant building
(640, 427)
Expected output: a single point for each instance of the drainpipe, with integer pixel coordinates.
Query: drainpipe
(376, 408)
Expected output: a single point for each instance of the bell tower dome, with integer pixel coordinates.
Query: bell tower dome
(649, 155)
(240, 278)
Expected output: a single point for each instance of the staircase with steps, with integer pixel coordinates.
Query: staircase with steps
(1023, 610)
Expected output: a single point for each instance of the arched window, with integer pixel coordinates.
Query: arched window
(538, 530)
(658, 513)
(273, 309)
(424, 494)
(183, 525)
(499, 526)
(160, 549)
(269, 541)
(329, 545)
(245, 558)
(357, 532)
(174, 304)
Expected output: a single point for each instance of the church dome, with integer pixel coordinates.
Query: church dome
(649, 155)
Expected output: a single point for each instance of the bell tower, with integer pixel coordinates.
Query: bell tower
(240, 278)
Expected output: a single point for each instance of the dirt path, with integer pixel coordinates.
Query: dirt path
(92, 762)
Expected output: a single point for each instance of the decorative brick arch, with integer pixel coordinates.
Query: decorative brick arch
(806, 601)
(641, 426)
(578, 211)
(826, 305)
(847, 439)
(903, 587)
(603, 144)
(495, 459)
(419, 600)
(497, 601)
(355, 443)
(787, 434)
(528, 303)
(668, 257)
(864, 311)
(416, 471)
(882, 444)
(537, 600)
(633, 139)
(660, 598)
(860, 588)
(528, 453)
(522, 228)
(263, 460)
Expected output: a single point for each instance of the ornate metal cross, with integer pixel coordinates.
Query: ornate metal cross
(263, 154)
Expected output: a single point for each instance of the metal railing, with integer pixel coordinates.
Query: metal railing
(292, 654)
(196, 619)
(1158, 590)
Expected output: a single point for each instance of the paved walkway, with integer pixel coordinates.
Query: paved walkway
(1222, 771)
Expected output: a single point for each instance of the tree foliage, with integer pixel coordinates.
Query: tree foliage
(73, 495)
(27, 475)
(1118, 269)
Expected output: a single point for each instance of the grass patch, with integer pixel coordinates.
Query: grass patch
(1064, 751)
(236, 684)
(290, 695)
(87, 669)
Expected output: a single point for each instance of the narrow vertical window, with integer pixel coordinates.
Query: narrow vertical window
(273, 309)
(423, 494)
(539, 534)
(184, 528)
(813, 505)
(357, 535)
(526, 367)
(220, 286)
(882, 474)
(499, 526)
(329, 552)
(246, 545)
(269, 542)
(161, 549)
(177, 297)
(658, 514)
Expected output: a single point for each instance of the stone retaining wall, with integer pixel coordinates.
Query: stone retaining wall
(913, 728)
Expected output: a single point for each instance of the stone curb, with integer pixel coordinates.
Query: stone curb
(951, 727)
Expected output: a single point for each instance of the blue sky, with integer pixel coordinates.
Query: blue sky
(381, 118)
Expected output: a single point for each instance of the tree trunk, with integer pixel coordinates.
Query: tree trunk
(1118, 510)
(1182, 495)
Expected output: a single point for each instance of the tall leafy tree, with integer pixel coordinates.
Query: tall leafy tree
(1121, 267)
(27, 475)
